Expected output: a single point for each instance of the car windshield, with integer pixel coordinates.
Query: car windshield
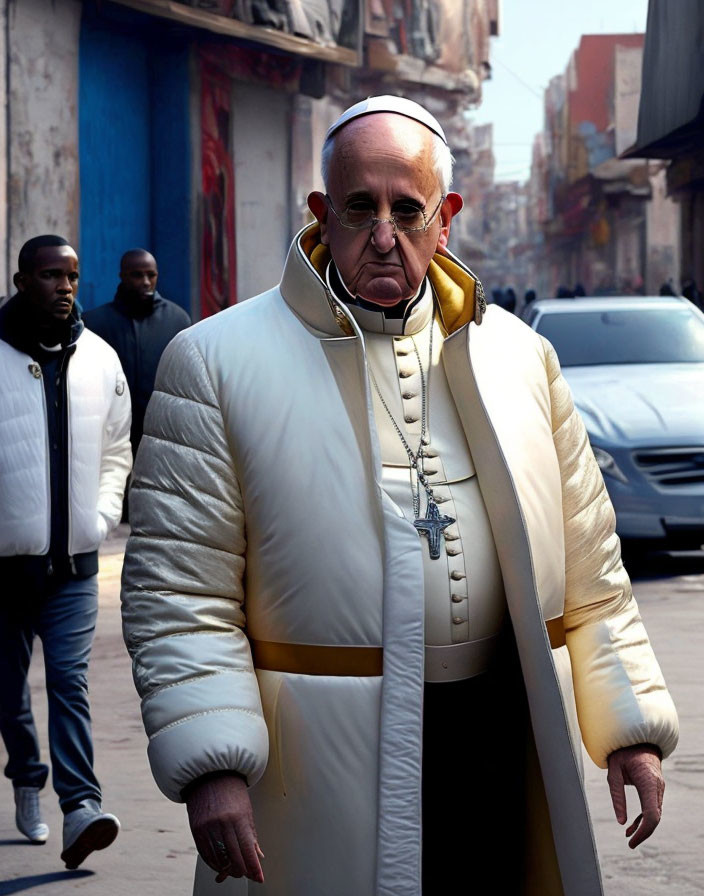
(624, 336)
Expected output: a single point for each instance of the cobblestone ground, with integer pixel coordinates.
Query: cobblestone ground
(153, 854)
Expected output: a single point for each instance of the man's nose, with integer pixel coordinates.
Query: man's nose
(65, 285)
(384, 236)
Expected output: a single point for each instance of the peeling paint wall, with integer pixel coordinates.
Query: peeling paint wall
(43, 184)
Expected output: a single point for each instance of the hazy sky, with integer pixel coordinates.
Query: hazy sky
(536, 40)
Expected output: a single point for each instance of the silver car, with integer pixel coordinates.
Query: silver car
(636, 369)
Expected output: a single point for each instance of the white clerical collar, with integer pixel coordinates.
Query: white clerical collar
(419, 313)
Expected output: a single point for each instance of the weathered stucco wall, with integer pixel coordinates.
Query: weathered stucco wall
(43, 184)
(261, 144)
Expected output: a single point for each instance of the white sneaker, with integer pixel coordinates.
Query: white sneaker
(86, 829)
(28, 816)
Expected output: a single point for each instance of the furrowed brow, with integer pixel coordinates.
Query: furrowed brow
(359, 195)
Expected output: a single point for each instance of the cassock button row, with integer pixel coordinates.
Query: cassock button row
(404, 374)
(456, 575)
(408, 395)
(409, 418)
(457, 620)
(458, 598)
(453, 551)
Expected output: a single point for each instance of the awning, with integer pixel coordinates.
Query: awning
(261, 34)
(671, 112)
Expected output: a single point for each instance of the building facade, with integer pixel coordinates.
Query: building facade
(194, 128)
(671, 119)
(606, 224)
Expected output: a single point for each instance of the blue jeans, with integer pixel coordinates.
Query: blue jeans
(65, 622)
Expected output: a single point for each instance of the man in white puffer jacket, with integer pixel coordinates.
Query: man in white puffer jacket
(64, 459)
(373, 593)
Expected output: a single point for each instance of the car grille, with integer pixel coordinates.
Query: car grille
(672, 466)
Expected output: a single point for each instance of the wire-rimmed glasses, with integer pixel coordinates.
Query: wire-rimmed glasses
(407, 218)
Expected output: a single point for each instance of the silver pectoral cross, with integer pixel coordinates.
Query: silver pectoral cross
(432, 526)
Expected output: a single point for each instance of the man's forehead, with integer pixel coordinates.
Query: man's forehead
(381, 146)
(139, 260)
(49, 256)
(394, 105)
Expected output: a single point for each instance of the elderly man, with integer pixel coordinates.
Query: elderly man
(373, 592)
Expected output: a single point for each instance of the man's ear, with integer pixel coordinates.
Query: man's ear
(451, 206)
(318, 205)
(18, 280)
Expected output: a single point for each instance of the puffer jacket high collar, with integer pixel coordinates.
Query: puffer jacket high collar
(459, 291)
(19, 329)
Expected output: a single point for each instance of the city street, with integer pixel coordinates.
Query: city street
(243, 234)
(154, 854)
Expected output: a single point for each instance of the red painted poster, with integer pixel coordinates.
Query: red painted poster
(218, 263)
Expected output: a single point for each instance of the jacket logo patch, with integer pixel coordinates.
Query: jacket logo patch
(35, 370)
(119, 387)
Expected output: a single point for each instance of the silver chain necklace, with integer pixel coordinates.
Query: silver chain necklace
(434, 523)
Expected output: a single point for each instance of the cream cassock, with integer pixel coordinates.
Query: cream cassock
(258, 515)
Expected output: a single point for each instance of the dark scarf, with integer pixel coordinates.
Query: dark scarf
(134, 306)
(19, 328)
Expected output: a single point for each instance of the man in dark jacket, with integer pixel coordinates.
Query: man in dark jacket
(139, 324)
(64, 459)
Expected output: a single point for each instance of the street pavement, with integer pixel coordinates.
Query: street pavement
(671, 862)
(154, 854)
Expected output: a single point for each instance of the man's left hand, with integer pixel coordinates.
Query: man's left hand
(639, 766)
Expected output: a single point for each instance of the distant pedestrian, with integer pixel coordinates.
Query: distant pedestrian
(139, 323)
(690, 291)
(563, 292)
(579, 291)
(510, 299)
(528, 300)
(667, 289)
(504, 298)
(64, 459)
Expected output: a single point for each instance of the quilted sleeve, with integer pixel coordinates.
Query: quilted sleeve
(182, 596)
(620, 692)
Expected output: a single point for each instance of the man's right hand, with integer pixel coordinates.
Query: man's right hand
(220, 815)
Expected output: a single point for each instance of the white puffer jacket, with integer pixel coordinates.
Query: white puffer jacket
(259, 519)
(100, 456)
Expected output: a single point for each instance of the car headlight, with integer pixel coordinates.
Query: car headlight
(608, 465)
